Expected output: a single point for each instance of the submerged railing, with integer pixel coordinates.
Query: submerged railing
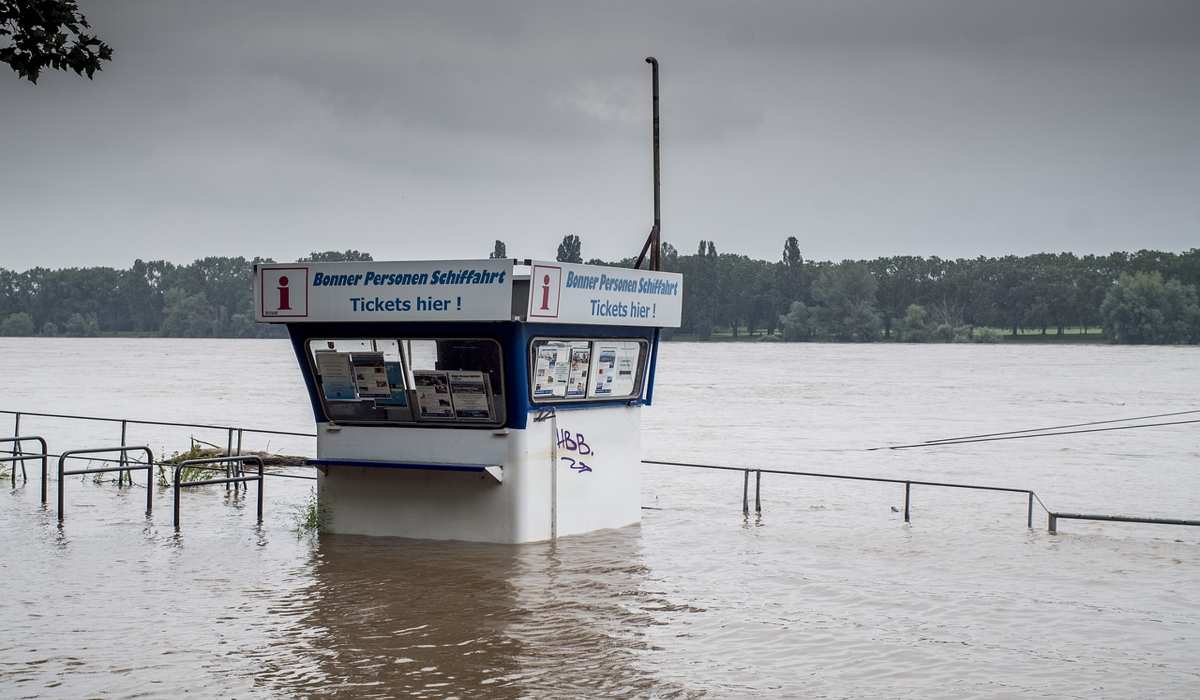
(124, 450)
(908, 484)
(233, 434)
(1052, 517)
(20, 456)
(233, 460)
(205, 464)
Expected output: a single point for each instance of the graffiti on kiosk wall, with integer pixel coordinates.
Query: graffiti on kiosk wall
(569, 441)
(577, 443)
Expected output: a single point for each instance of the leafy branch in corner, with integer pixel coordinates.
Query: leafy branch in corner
(48, 34)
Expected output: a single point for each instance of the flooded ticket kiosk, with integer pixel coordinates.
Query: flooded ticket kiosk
(474, 399)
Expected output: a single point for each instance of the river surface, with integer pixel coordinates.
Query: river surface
(827, 594)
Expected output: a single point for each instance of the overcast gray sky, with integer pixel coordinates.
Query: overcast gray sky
(427, 130)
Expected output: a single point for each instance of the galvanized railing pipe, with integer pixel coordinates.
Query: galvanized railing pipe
(123, 449)
(202, 464)
(19, 456)
(169, 424)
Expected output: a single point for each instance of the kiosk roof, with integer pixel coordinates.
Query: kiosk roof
(466, 290)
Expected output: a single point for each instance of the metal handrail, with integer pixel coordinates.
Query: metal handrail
(258, 431)
(908, 484)
(1052, 519)
(1051, 515)
(199, 463)
(123, 450)
(20, 455)
(172, 465)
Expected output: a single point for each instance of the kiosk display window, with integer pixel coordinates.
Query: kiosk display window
(561, 368)
(577, 369)
(399, 380)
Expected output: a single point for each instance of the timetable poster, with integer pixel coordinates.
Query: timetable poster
(337, 376)
(615, 368)
(433, 394)
(395, 378)
(471, 395)
(625, 376)
(370, 374)
(581, 363)
(603, 369)
(551, 366)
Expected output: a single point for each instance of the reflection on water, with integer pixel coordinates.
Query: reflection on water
(828, 594)
(380, 618)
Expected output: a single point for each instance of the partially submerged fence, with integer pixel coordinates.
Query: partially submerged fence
(1052, 516)
(125, 467)
(233, 461)
(908, 484)
(20, 456)
(179, 483)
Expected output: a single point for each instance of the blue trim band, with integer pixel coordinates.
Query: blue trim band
(398, 465)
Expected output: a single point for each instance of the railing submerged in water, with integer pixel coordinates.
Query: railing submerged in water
(233, 462)
(908, 484)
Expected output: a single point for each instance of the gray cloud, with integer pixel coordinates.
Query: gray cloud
(430, 129)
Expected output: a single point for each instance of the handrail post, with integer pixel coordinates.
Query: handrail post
(238, 452)
(1052, 523)
(907, 491)
(1029, 514)
(260, 489)
(175, 488)
(124, 456)
(149, 482)
(746, 493)
(61, 458)
(45, 467)
(228, 464)
(17, 448)
(758, 492)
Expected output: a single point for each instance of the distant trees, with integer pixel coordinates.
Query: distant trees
(499, 252)
(958, 299)
(799, 323)
(40, 34)
(17, 324)
(570, 250)
(845, 295)
(915, 327)
(1140, 297)
(81, 325)
(1142, 308)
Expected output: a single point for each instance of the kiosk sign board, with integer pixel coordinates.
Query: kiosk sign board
(436, 290)
(612, 296)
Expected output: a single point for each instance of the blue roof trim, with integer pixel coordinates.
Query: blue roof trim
(376, 464)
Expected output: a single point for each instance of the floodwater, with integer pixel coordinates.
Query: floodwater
(827, 594)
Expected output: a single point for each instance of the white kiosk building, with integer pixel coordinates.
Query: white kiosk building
(474, 400)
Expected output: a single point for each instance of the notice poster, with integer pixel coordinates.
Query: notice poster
(471, 395)
(614, 368)
(625, 378)
(433, 395)
(550, 370)
(602, 369)
(395, 379)
(370, 374)
(581, 363)
(337, 376)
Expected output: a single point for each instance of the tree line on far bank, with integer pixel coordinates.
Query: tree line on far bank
(1141, 297)
(1146, 296)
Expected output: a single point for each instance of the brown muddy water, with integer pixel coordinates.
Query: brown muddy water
(828, 594)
